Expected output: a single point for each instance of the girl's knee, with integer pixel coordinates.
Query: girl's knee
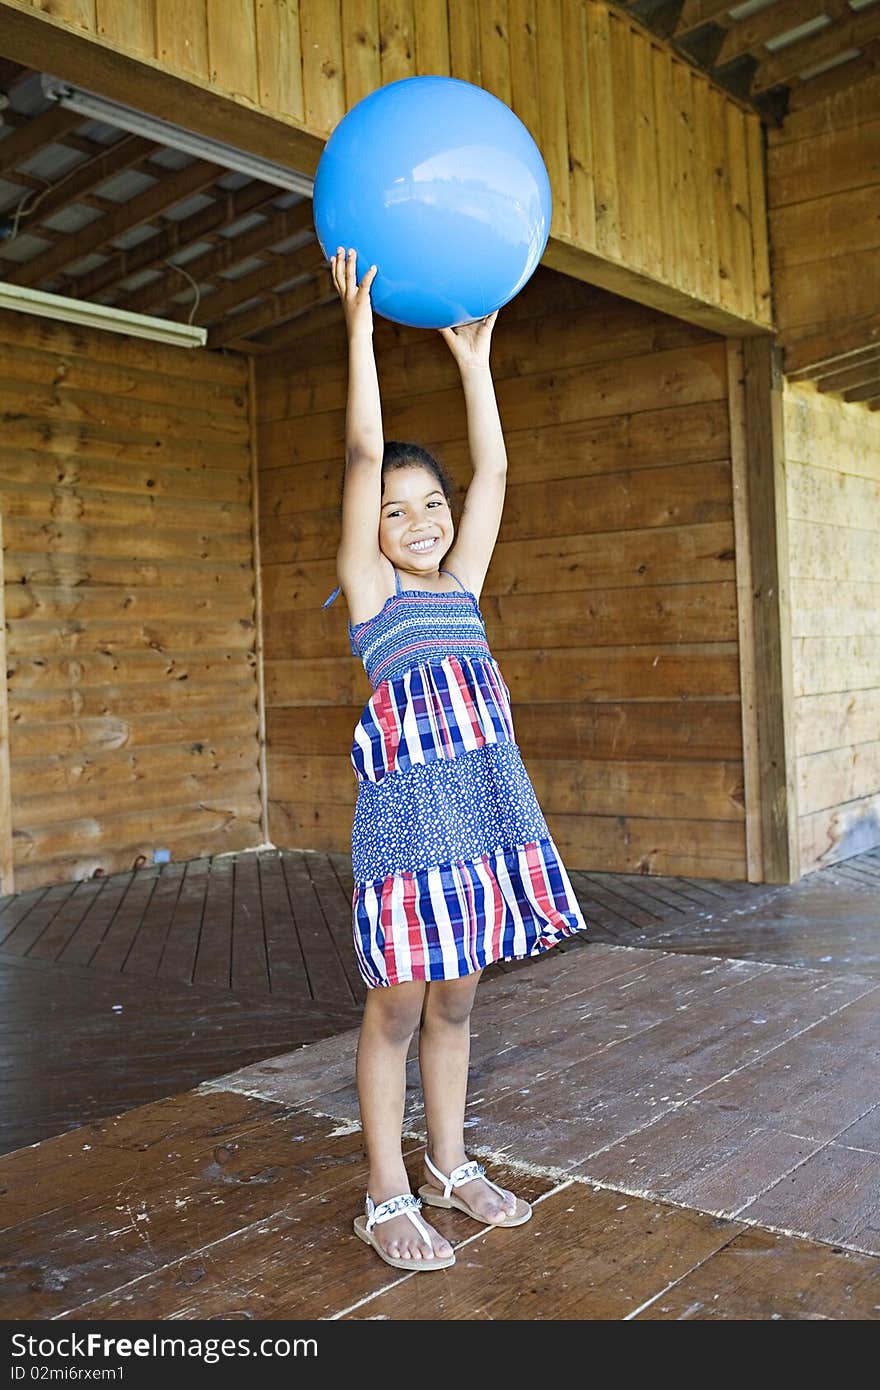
(396, 1011)
(451, 1001)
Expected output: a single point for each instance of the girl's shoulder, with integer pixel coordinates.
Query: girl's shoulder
(370, 592)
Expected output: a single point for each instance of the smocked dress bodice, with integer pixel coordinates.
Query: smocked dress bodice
(415, 626)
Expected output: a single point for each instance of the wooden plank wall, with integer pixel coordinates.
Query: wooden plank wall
(610, 601)
(823, 179)
(657, 175)
(125, 491)
(833, 467)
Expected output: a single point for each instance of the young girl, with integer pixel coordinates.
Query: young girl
(453, 863)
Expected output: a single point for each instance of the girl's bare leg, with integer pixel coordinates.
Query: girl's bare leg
(391, 1016)
(444, 1057)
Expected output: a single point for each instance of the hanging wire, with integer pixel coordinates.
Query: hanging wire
(21, 211)
(198, 293)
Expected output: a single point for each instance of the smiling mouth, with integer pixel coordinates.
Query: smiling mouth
(425, 544)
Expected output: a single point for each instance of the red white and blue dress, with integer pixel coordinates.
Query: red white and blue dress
(453, 863)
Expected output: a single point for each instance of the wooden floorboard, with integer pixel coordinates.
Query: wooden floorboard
(239, 956)
(700, 1139)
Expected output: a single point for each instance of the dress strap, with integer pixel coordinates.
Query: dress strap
(332, 597)
(398, 588)
(455, 577)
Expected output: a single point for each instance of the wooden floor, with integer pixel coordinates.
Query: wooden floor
(689, 1098)
(163, 978)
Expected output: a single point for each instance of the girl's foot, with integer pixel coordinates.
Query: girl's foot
(483, 1200)
(399, 1237)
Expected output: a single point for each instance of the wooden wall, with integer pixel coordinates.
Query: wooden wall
(823, 180)
(657, 175)
(833, 466)
(610, 601)
(125, 492)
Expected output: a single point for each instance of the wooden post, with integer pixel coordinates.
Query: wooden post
(258, 602)
(745, 611)
(6, 875)
(771, 617)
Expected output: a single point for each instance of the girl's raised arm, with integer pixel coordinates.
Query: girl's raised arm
(484, 501)
(358, 555)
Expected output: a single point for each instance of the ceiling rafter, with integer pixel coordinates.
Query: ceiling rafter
(29, 138)
(318, 320)
(747, 35)
(695, 13)
(228, 208)
(77, 185)
(848, 346)
(732, 50)
(229, 252)
(799, 57)
(167, 192)
(866, 371)
(864, 393)
(229, 294)
(277, 309)
(828, 84)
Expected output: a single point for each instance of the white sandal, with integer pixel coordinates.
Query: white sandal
(466, 1172)
(406, 1205)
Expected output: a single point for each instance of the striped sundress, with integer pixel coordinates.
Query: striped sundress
(454, 866)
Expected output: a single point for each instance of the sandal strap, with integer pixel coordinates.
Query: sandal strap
(465, 1172)
(404, 1205)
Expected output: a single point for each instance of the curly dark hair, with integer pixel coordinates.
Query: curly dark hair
(400, 455)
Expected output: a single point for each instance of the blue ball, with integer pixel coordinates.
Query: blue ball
(440, 185)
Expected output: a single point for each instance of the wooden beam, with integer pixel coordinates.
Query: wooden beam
(607, 274)
(75, 186)
(226, 209)
(860, 375)
(228, 294)
(318, 320)
(834, 344)
(7, 880)
(11, 74)
(259, 638)
(299, 299)
(696, 13)
(749, 35)
(786, 64)
(228, 252)
(868, 392)
(45, 43)
(29, 138)
(768, 542)
(166, 192)
(745, 612)
(828, 84)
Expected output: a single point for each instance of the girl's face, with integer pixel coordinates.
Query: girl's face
(415, 523)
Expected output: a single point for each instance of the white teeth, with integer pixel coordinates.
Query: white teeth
(423, 545)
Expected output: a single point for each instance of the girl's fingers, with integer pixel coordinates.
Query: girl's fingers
(336, 271)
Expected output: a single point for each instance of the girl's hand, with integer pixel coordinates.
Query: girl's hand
(470, 342)
(355, 297)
